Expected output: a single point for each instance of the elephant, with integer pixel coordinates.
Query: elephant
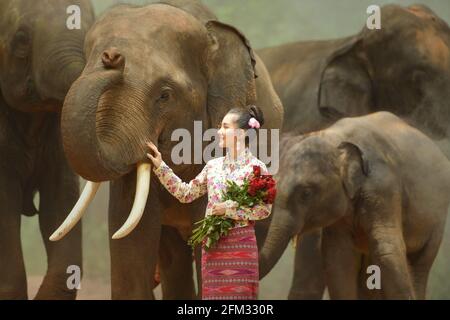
(403, 68)
(378, 188)
(141, 82)
(39, 59)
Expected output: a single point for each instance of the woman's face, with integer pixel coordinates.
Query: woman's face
(229, 134)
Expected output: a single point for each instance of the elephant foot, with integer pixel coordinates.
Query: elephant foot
(13, 294)
(55, 294)
(54, 289)
(305, 295)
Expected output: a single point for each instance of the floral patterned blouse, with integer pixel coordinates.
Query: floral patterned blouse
(212, 180)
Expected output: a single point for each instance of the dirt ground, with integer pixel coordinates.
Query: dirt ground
(275, 286)
(91, 289)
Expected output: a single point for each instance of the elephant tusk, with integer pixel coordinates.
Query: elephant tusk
(294, 240)
(89, 191)
(140, 200)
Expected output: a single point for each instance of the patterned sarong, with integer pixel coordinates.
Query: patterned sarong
(230, 268)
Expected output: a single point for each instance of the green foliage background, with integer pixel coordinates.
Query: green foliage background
(265, 23)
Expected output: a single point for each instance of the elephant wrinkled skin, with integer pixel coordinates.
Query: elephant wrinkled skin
(141, 82)
(403, 68)
(379, 188)
(39, 60)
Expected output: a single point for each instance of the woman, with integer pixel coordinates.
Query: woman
(230, 268)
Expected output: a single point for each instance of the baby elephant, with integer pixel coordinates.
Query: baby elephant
(380, 189)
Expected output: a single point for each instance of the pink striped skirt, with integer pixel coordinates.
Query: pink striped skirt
(230, 268)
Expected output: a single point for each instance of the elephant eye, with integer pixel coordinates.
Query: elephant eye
(21, 44)
(165, 96)
(306, 194)
(303, 193)
(300, 195)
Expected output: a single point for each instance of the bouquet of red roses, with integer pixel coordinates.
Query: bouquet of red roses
(256, 189)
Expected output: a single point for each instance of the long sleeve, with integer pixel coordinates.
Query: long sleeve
(184, 192)
(257, 212)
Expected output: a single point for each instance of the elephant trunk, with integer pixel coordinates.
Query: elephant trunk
(280, 232)
(91, 158)
(79, 126)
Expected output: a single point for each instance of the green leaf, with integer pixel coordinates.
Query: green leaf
(212, 229)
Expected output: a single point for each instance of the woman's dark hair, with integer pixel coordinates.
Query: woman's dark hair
(244, 115)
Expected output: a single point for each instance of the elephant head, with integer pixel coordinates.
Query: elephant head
(316, 186)
(404, 68)
(39, 56)
(150, 70)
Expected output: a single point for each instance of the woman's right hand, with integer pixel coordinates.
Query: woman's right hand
(156, 159)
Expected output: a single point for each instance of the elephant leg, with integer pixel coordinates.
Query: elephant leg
(134, 257)
(308, 281)
(175, 259)
(422, 261)
(388, 251)
(380, 216)
(364, 293)
(59, 191)
(13, 282)
(341, 262)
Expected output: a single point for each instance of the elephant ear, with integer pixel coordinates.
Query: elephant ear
(230, 64)
(354, 168)
(345, 87)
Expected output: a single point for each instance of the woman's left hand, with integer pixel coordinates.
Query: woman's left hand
(219, 209)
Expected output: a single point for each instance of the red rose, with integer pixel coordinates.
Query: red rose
(257, 171)
(255, 183)
(271, 194)
(261, 184)
(251, 190)
(270, 183)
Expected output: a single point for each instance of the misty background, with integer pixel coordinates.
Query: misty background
(265, 23)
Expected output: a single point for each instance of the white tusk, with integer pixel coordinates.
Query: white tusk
(140, 200)
(89, 191)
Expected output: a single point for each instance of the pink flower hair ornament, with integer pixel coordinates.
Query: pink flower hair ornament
(253, 123)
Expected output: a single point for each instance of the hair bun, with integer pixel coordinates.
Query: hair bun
(256, 113)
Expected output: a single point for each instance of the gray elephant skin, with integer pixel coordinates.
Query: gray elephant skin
(143, 80)
(403, 68)
(39, 60)
(379, 188)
